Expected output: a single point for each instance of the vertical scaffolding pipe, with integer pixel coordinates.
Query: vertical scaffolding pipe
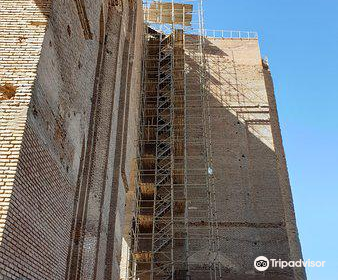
(172, 139)
(186, 208)
(171, 230)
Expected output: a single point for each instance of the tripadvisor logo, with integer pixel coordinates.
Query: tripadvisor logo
(262, 263)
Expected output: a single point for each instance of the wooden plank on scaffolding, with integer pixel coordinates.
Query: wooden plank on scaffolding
(163, 13)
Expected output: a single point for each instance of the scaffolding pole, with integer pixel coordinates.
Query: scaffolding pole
(176, 213)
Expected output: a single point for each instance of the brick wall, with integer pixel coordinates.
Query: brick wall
(131, 133)
(43, 157)
(51, 77)
(22, 29)
(253, 200)
(35, 239)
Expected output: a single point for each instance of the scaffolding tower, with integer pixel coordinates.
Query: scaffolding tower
(176, 218)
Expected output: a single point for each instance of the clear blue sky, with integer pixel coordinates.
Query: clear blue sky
(300, 37)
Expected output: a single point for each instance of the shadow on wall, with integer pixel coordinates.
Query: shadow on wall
(40, 196)
(211, 49)
(41, 201)
(251, 182)
(44, 6)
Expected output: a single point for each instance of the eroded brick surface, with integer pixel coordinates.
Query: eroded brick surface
(22, 29)
(69, 97)
(55, 78)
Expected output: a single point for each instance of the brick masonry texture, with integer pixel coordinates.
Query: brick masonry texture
(253, 199)
(22, 29)
(70, 80)
(35, 239)
(62, 135)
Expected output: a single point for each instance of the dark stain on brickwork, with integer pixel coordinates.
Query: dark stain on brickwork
(34, 111)
(38, 23)
(69, 31)
(60, 133)
(21, 39)
(7, 91)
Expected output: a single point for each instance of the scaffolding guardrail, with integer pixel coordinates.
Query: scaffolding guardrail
(230, 34)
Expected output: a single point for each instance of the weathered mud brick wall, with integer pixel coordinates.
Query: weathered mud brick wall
(22, 30)
(63, 142)
(253, 199)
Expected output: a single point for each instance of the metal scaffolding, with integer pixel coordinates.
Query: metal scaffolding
(176, 216)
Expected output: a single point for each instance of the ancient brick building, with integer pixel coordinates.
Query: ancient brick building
(136, 145)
